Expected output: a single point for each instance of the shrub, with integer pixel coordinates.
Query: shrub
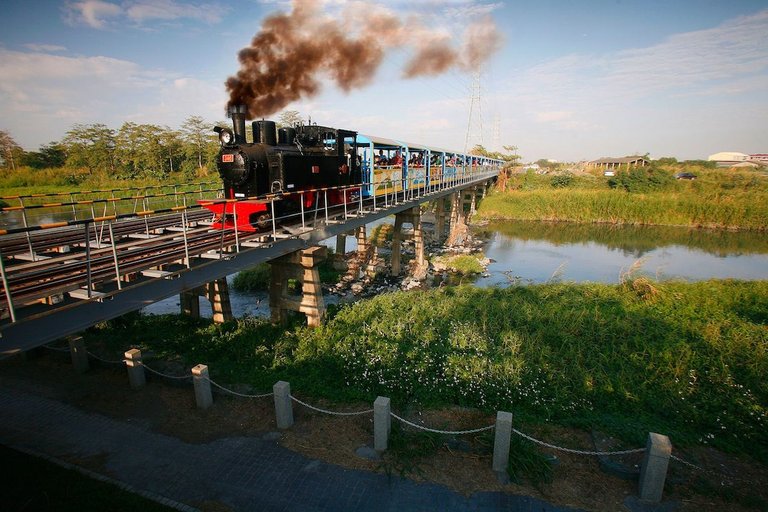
(254, 279)
(562, 180)
(642, 179)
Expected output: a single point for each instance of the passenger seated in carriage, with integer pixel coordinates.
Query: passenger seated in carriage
(381, 159)
(397, 159)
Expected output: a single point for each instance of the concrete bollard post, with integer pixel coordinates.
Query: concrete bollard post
(653, 472)
(202, 382)
(382, 423)
(502, 441)
(135, 368)
(283, 404)
(79, 355)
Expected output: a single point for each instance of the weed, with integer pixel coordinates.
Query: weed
(407, 448)
(526, 462)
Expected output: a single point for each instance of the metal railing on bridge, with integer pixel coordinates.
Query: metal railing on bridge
(118, 245)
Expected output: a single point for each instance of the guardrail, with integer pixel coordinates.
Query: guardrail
(96, 229)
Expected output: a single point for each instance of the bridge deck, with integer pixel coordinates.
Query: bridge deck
(189, 257)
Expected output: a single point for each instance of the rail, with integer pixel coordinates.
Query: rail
(106, 259)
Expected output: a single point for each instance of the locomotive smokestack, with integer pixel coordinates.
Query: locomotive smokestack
(238, 113)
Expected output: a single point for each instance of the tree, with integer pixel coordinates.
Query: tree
(10, 151)
(91, 146)
(511, 155)
(288, 118)
(172, 144)
(196, 134)
(140, 150)
(51, 155)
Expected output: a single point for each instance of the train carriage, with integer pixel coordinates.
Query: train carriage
(280, 173)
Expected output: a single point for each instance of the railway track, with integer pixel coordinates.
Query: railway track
(32, 245)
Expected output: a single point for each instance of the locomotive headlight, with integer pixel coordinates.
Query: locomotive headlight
(226, 137)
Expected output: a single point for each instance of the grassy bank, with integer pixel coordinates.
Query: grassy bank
(688, 360)
(719, 199)
(27, 181)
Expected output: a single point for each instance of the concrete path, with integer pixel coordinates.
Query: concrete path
(240, 473)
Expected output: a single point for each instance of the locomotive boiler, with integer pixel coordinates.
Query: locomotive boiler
(280, 172)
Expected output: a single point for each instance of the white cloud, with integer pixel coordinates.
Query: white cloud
(44, 48)
(472, 10)
(547, 117)
(730, 52)
(655, 96)
(46, 94)
(100, 14)
(170, 10)
(93, 13)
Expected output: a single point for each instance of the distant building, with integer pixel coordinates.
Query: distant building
(761, 158)
(616, 163)
(728, 158)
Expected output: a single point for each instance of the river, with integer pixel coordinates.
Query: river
(538, 252)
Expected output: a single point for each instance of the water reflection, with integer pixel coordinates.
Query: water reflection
(601, 253)
(537, 252)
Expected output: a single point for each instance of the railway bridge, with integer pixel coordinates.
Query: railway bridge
(104, 260)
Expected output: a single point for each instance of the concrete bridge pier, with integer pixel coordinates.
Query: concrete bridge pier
(217, 293)
(339, 260)
(361, 236)
(457, 210)
(413, 217)
(439, 219)
(302, 266)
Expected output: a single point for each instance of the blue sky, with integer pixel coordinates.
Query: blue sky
(573, 80)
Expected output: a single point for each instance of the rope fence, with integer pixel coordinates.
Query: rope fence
(108, 361)
(161, 374)
(577, 452)
(333, 413)
(658, 451)
(447, 432)
(231, 392)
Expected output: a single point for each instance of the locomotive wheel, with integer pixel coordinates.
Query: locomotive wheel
(261, 221)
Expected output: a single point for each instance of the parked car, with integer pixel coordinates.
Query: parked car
(685, 176)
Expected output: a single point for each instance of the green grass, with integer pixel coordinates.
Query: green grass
(253, 279)
(721, 199)
(686, 360)
(35, 484)
(464, 264)
(26, 181)
(258, 277)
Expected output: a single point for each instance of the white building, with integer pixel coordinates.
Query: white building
(728, 157)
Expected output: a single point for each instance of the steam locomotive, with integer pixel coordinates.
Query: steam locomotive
(291, 163)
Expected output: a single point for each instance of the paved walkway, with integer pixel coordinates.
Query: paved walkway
(241, 473)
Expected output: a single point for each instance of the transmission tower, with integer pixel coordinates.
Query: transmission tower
(475, 122)
(496, 143)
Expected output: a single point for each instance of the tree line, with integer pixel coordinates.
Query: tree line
(132, 151)
(137, 151)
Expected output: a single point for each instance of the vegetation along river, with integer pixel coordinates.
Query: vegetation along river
(525, 252)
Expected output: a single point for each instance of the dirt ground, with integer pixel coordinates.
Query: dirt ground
(168, 407)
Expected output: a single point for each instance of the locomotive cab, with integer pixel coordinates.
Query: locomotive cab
(290, 164)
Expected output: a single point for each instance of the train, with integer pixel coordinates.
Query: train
(292, 170)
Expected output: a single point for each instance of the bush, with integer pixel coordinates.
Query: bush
(642, 179)
(562, 180)
(253, 279)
